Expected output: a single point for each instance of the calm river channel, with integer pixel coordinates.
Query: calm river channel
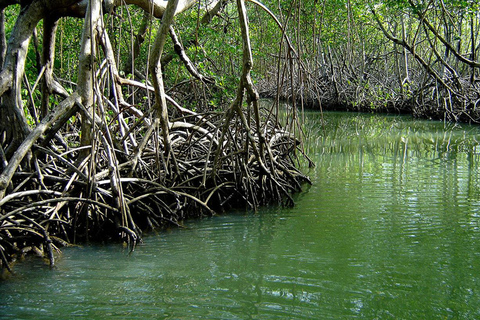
(390, 229)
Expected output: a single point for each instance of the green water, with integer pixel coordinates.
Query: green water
(389, 230)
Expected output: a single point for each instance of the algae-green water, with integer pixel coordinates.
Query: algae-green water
(388, 230)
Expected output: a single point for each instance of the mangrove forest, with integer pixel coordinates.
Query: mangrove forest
(118, 117)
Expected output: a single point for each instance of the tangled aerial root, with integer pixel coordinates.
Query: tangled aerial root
(121, 189)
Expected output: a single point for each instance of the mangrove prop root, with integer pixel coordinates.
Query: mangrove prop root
(100, 167)
(131, 193)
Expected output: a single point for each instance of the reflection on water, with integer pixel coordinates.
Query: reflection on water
(389, 230)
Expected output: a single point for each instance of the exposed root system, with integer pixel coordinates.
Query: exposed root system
(100, 166)
(118, 192)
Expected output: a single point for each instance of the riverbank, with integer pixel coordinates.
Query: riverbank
(429, 102)
(424, 92)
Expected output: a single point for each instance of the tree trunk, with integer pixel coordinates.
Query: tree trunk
(156, 73)
(86, 72)
(3, 38)
(15, 127)
(49, 85)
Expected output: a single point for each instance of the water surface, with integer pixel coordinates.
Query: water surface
(389, 230)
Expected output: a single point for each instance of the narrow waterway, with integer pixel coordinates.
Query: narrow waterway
(388, 230)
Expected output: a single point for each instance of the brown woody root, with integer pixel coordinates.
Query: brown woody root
(126, 187)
